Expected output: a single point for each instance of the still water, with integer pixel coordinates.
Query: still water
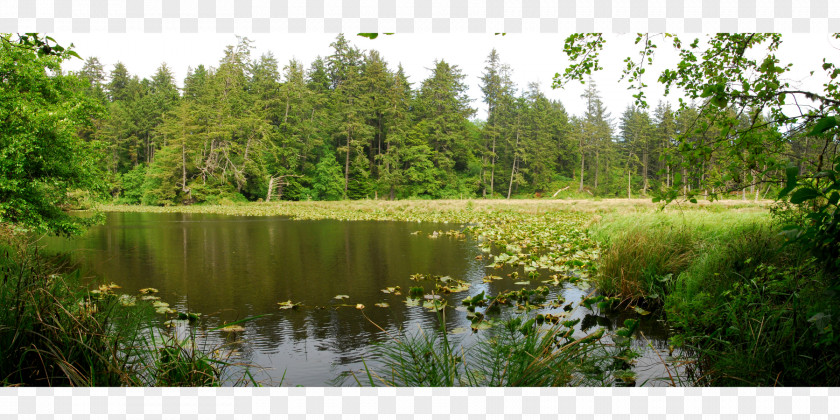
(231, 267)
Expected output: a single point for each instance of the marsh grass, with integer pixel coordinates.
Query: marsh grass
(455, 211)
(515, 352)
(643, 254)
(748, 308)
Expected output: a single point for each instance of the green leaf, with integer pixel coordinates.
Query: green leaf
(792, 172)
(371, 35)
(823, 125)
(641, 311)
(804, 194)
(239, 322)
(835, 197)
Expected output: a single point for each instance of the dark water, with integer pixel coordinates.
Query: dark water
(230, 267)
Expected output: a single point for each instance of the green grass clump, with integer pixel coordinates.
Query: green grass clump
(516, 352)
(642, 253)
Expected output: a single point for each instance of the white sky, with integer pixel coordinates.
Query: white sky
(532, 57)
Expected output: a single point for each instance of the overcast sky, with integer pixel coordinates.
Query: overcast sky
(532, 57)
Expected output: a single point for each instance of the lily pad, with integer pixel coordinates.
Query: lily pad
(232, 328)
(482, 325)
(148, 290)
(641, 311)
(412, 302)
(149, 297)
(382, 305)
(126, 300)
(288, 305)
(173, 323)
(339, 297)
(522, 283)
(434, 305)
(160, 304)
(360, 306)
(459, 330)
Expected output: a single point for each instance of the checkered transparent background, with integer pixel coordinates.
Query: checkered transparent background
(434, 403)
(415, 16)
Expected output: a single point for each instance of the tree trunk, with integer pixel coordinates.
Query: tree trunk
(597, 165)
(270, 188)
(347, 165)
(581, 172)
(645, 175)
(183, 165)
(512, 172)
(493, 168)
(513, 168)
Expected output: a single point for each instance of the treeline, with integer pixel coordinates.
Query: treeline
(351, 126)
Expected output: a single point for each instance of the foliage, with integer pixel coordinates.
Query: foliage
(328, 184)
(818, 198)
(43, 159)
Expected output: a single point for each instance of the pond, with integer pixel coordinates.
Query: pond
(232, 267)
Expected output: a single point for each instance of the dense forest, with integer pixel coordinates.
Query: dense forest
(353, 126)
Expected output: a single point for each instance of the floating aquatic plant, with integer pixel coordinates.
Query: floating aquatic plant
(288, 305)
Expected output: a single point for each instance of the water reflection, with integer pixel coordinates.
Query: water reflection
(229, 268)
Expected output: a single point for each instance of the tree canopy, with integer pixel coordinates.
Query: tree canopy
(45, 166)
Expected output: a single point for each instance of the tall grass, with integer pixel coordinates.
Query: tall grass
(751, 309)
(512, 353)
(54, 332)
(643, 253)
